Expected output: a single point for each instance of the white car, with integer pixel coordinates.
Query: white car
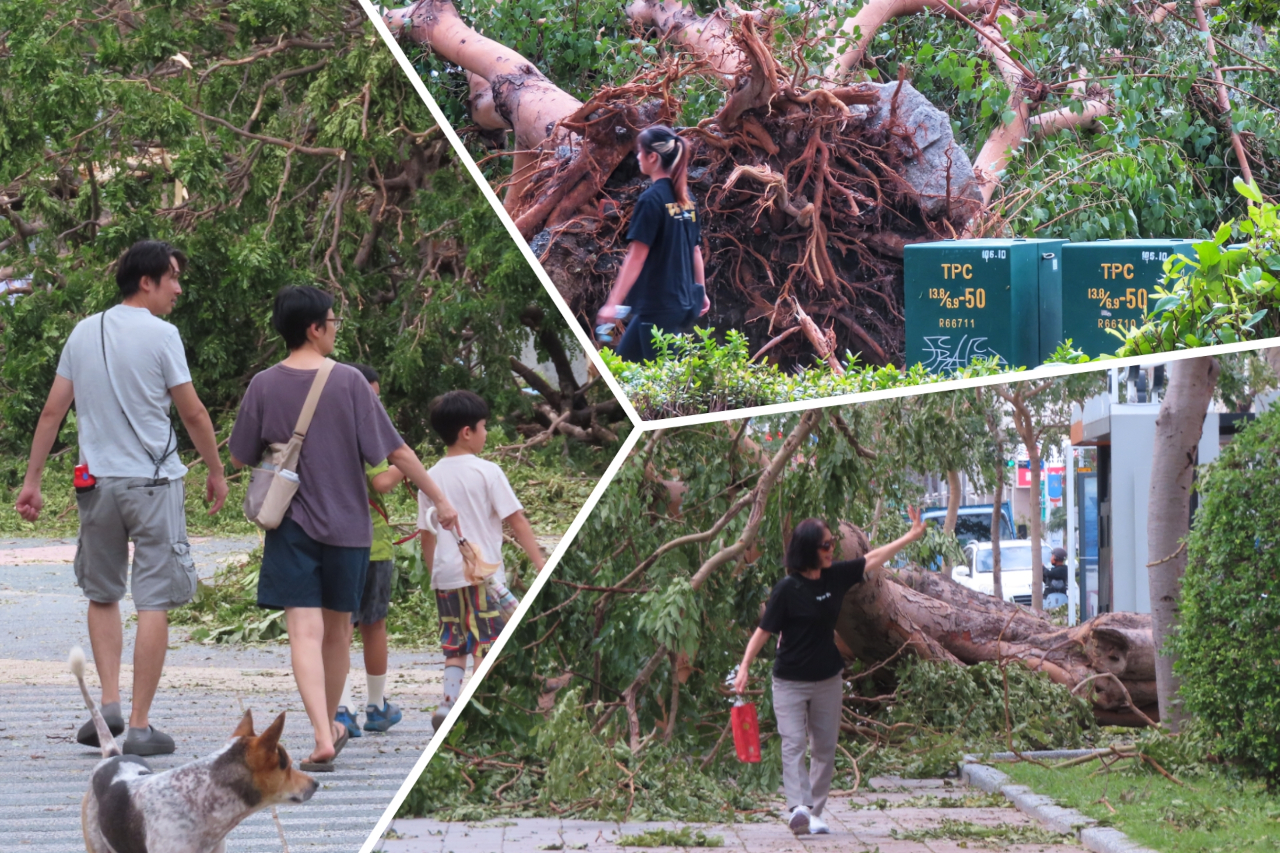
(1015, 569)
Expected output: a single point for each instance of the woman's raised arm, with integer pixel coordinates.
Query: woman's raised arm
(877, 557)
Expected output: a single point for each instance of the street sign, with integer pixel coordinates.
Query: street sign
(966, 299)
(1110, 284)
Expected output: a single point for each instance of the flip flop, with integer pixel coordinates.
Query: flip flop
(341, 741)
(326, 766)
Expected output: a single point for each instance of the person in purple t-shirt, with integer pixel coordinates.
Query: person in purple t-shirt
(313, 564)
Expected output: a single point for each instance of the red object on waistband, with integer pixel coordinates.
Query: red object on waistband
(83, 479)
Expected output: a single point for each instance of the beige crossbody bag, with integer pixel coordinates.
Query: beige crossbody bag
(275, 481)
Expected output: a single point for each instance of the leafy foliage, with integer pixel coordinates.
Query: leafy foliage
(276, 144)
(1228, 640)
(1228, 294)
(613, 609)
(699, 374)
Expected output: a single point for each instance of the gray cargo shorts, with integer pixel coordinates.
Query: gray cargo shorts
(121, 509)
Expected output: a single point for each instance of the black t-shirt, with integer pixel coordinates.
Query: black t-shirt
(671, 232)
(804, 612)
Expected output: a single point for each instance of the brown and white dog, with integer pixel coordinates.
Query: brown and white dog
(189, 809)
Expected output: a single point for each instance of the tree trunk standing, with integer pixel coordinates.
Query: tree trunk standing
(1178, 429)
(1272, 356)
(997, 588)
(953, 512)
(1037, 565)
(1024, 422)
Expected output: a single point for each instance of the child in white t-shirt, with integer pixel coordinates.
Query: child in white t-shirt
(470, 619)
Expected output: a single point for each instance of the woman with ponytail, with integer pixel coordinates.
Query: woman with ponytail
(662, 277)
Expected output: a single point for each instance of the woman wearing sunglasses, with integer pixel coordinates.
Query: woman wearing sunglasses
(808, 685)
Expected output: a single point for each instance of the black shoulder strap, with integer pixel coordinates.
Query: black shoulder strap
(172, 437)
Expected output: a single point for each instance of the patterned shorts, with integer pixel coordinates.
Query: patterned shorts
(469, 620)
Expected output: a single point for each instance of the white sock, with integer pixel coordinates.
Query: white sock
(452, 685)
(345, 701)
(377, 684)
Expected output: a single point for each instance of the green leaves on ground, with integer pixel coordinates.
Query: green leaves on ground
(1211, 813)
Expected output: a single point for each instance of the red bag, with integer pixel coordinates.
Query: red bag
(746, 731)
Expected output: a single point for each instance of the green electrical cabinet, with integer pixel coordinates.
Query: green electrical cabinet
(1110, 284)
(966, 299)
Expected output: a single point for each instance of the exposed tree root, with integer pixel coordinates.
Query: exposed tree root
(804, 194)
(801, 197)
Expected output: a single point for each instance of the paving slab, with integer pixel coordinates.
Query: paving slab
(202, 696)
(854, 829)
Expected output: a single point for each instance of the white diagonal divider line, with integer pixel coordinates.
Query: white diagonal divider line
(483, 670)
(490, 196)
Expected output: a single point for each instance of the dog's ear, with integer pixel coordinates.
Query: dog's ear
(245, 729)
(271, 737)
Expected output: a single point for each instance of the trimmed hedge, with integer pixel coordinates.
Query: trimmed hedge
(1229, 637)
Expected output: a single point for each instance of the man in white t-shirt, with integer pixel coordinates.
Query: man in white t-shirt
(123, 369)
(470, 619)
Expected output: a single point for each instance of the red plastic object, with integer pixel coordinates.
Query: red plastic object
(746, 732)
(83, 479)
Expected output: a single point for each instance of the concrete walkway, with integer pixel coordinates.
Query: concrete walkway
(204, 692)
(860, 823)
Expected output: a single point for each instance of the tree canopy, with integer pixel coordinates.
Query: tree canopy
(275, 143)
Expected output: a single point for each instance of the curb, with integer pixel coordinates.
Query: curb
(1099, 839)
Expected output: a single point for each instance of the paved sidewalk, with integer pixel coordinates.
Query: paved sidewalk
(860, 823)
(204, 692)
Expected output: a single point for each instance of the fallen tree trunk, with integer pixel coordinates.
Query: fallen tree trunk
(709, 37)
(1109, 660)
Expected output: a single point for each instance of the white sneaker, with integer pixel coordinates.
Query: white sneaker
(818, 826)
(800, 818)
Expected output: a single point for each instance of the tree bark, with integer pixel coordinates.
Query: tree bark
(1224, 101)
(1024, 423)
(1109, 660)
(997, 587)
(1178, 429)
(1272, 356)
(708, 38)
(953, 512)
(524, 98)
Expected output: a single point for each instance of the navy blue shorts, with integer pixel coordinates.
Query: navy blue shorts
(298, 571)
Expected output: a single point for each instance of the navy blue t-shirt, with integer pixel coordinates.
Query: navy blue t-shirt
(671, 232)
(804, 612)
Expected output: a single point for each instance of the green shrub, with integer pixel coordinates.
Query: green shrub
(1229, 637)
(1226, 295)
(698, 373)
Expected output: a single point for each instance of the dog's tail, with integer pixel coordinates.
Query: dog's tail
(105, 738)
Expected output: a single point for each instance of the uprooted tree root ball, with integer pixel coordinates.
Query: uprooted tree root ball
(808, 193)
(808, 197)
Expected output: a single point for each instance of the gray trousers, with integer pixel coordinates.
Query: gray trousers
(808, 715)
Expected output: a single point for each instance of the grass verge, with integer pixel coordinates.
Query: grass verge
(1208, 814)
